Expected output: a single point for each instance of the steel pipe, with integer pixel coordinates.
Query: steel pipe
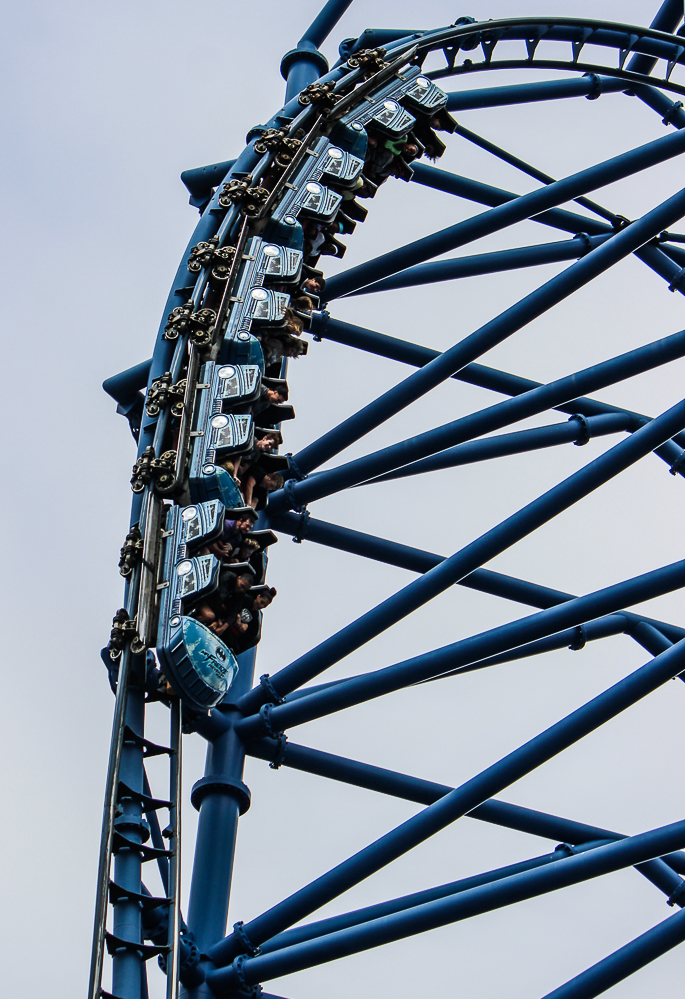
(441, 912)
(508, 322)
(472, 556)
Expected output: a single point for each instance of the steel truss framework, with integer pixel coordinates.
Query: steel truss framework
(254, 722)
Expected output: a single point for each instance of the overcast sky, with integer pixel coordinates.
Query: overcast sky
(104, 105)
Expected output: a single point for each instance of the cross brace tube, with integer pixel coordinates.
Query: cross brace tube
(588, 85)
(472, 556)
(493, 332)
(575, 430)
(416, 560)
(357, 690)
(481, 375)
(573, 638)
(624, 961)
(558, 218)
(609, 171)
(475, 901)
(532, 171)
(435, 817)
(486, 263)
(333, 924)
(425, 792)
(494, 417)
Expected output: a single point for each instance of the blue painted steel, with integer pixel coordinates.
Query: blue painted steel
(327, 328)
(220, 804)
(486, 263)
(415, 560)
(511, 530)
(529, 884)
(509, 636)
(325, 21)
(226, 402)
(616, 168)
(495, 331)
(335, 923)
(425, 792)
(529, 93)
(625, 961)
(558, 218)
(454, 805)
(577, 430)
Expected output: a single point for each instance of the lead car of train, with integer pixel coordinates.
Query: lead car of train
(232, 339)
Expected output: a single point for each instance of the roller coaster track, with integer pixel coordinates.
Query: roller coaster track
(233, 317)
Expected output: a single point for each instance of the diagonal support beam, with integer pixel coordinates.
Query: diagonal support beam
(471, 557)
(426, 792)
(486, 898)
(486, 263)
(527, 404)
(304, 527)
(491, 781)
(326, 328)
(523, 208)
(323, 927)
(659, 260)
(573, 638)
(357, 690)
(575, 430)
(501, 813)
(625, 961)
(493, 332)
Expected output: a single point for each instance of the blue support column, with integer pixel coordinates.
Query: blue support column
(305, 64)
(221, 797)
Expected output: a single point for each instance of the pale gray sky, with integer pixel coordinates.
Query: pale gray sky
(104, 106)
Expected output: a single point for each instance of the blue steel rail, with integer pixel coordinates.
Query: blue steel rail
(247, 286)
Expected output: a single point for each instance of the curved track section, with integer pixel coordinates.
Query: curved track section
(212, 491)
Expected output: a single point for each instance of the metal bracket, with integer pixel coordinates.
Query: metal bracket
(301, 534)
(245, 989)
(265, 716)
(578, 643)
(228, 785)
(279, 758)
(265, 682)
(596, 87)
(677, 897)
(293, 466)
(675, 283)
(586, 239)
(246, 943)
(671, 113)
(584, 429)
(678, 466)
